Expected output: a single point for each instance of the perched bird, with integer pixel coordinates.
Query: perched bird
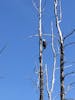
(44, 43)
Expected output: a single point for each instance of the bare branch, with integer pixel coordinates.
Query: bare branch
(73, 83)
(3, 48)
(50, 91)
(38, 75)
(72, 62)
(69, 99)
(69, 44)
(68, 35)
(35, 6)
(38, 82)
(69, 87)
(47, 86)
(58, 20)
(44, 6)
(66, 67)
(60, 10)
(56, 96)
(31, 36)
(70, 73)
(54, 66)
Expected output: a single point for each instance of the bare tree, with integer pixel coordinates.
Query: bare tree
(40, 52)
(40, 72)
(42, 44)
(58, 18)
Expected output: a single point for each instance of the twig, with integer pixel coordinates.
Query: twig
(73, 62)
(3, 48)
(70, 73)
(68, 35)
(69, 44)
(69, 87)
(34, 4)
(66, 67)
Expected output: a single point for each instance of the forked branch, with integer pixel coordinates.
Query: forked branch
(50, 90)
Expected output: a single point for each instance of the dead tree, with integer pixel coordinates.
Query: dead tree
(40, 53)
(58, 17)
(42, 46)
(40, 72)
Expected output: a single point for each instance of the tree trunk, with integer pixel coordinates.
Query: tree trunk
(62, 95)
(41, 71)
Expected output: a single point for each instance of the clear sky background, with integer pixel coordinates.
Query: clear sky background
(18, 20)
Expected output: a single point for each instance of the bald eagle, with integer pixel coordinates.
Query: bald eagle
(44, 43)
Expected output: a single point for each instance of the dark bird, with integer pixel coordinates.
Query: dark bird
(44, 43)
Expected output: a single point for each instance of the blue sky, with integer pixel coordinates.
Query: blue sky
(18, 20)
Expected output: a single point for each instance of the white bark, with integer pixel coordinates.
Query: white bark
(50, 90)
(54, 66)
(58, 16)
